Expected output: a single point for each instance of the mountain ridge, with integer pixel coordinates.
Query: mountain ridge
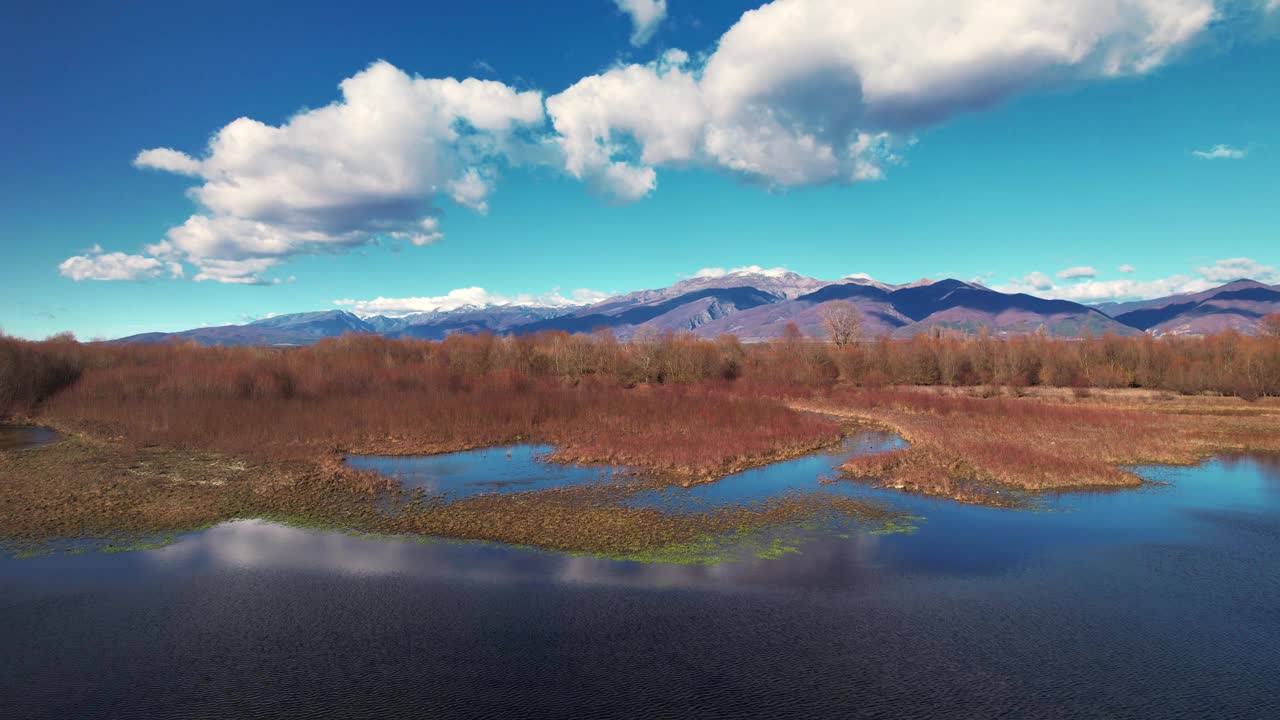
(757, 305)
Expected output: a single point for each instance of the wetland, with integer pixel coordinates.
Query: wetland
(476, 527)
(1164, 591)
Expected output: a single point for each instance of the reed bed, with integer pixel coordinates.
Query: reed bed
(175, 436)
(963, 447)
(107, 492)
(686, 432)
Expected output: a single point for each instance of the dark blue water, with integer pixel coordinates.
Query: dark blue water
(1154, 603)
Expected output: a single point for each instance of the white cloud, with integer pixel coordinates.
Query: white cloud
(1238, 268)
(237, 272)
(645, 15)
(1220, 152)
(168, 160)
(597, 116)
(1036, 281)
(1204, 278)
(470, 297)
(745, 270)
(1101, 290)
(428, 231)
(626, 183)
(802, 92)
(366, 167)
(115, 266)
(1073, 273)
(470, 190)
(1127, 269)
(796, 92)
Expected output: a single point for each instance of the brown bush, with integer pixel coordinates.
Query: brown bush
(32, 372)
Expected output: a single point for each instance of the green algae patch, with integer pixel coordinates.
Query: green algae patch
(906, 525)
(776, 549)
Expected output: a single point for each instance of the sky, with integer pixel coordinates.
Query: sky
(173, 165)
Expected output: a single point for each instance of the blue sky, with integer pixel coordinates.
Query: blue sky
(599, 159)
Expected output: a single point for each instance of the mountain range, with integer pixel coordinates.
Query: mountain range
(758, 305)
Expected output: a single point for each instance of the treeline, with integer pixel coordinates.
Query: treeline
(1227, 363)
(30, 372)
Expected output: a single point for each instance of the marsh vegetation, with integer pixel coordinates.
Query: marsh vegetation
(172, 436)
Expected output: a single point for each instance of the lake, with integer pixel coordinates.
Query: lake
(1156, 602)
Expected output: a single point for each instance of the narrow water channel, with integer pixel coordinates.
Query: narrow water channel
(520, 468)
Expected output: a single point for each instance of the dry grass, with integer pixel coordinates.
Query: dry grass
(688, 433)
(962, 446)
(87, 489)
(172, 437)
(165, 438)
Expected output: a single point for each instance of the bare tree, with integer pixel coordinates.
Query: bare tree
(1270, 325)
(843, 322)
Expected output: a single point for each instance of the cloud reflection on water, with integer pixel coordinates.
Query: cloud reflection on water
(262, 545)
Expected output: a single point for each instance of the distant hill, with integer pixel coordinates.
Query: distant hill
(758, 304)
(470, 319)
(227, 335)
(689, 311)
(327, 323)
(906, 310)
(307, 328)
(1238, 305)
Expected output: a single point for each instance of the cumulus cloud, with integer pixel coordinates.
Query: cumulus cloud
(1237, 268)
(237, 272)
(368, 167)
(801, 92)
(1220, 152)
(1126, 289)
(796, 92)
(168, 160)
(427, 232)
(470, 297)
(1204, 277)
(1127, 269)
(1036, 281)
(1074, 273)
(598, 118)
(645, 15)
(97, 265)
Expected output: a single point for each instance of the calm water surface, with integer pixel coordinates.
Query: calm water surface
(504, 469)
(21, 437)
(519, 468)
(1154, 603)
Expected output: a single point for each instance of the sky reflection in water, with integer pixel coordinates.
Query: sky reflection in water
(949, 539)
(1158, 602)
